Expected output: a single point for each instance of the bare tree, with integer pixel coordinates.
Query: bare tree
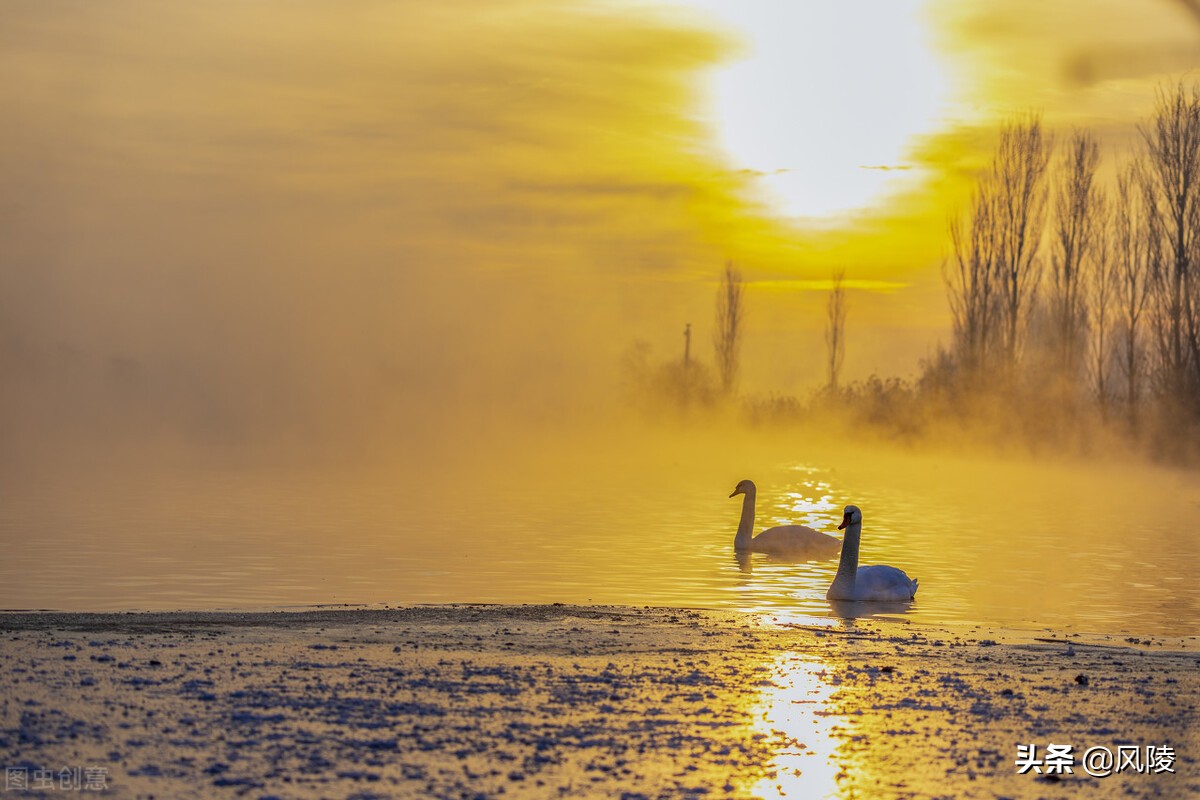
(1136, 259)
(1101, 287)
(971, 278)
(1172, 139)
(1079, 208)
(835, 327)
(727, 337)
(1017, 177)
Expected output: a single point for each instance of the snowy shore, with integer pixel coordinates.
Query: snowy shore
(566, 701)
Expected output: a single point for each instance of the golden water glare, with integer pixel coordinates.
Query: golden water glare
(795, 710)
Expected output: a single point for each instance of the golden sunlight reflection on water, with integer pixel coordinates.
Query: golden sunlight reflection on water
(794, 709)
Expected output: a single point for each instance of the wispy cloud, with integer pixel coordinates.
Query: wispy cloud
(291, 203)
(825, 285)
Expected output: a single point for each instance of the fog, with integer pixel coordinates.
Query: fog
(302, 307)
(272, 231)
(245, 226)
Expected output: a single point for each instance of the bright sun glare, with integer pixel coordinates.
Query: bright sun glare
(826, 98)
(796, 707)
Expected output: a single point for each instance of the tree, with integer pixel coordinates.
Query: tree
(1017, 177)
(992, 276)
(1136, 260)
(835, 327)
(970, 277)
(1172, 189)
(727, 336)
(1101, 287)
(1079, 208)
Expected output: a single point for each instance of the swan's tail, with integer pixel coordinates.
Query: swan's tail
(914, 588)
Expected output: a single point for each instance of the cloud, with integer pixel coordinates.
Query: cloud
(1078, 60)
(316, 216)
(826, 285)
(306, 217)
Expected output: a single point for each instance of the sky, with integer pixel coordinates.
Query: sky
(314, 220)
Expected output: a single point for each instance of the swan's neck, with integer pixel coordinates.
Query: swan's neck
(848, 566)
(745, 531)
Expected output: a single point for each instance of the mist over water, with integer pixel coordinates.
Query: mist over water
(308, 305)
(626, 519)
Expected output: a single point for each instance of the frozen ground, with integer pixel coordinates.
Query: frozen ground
(562, 701)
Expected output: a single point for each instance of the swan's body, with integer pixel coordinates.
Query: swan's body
(875, 584)
(782, 540)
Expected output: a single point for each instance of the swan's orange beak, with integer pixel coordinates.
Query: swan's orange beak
(845, 522)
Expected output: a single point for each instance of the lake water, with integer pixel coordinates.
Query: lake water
(1099, 547)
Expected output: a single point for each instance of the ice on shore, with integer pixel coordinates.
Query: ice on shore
(563, 701)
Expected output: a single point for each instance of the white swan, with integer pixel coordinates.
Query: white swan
(783, 540)
(878, 584)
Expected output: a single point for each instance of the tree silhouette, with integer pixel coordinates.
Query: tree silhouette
(1136, 259)
(1101, 288)
(1078, 241)
(993, 273)
(972, 279)
(730, 317)
(1017, 177)
(1172, 139)
(835, 327)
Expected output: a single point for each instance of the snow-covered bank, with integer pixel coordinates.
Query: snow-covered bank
(563, 701)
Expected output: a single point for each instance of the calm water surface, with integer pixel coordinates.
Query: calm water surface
(1108, 549)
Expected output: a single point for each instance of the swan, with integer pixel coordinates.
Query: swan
(878, 584)
(785, 540)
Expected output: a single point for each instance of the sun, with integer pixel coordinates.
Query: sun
(826, 99)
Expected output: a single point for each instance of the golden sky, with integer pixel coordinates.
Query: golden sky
(311, 205)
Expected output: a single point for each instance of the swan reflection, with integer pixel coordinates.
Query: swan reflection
(857, 609)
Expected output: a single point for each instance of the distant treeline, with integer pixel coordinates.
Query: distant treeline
(1075, 301)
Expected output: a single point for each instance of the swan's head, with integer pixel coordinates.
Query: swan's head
(743, 487)
(851, 516)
